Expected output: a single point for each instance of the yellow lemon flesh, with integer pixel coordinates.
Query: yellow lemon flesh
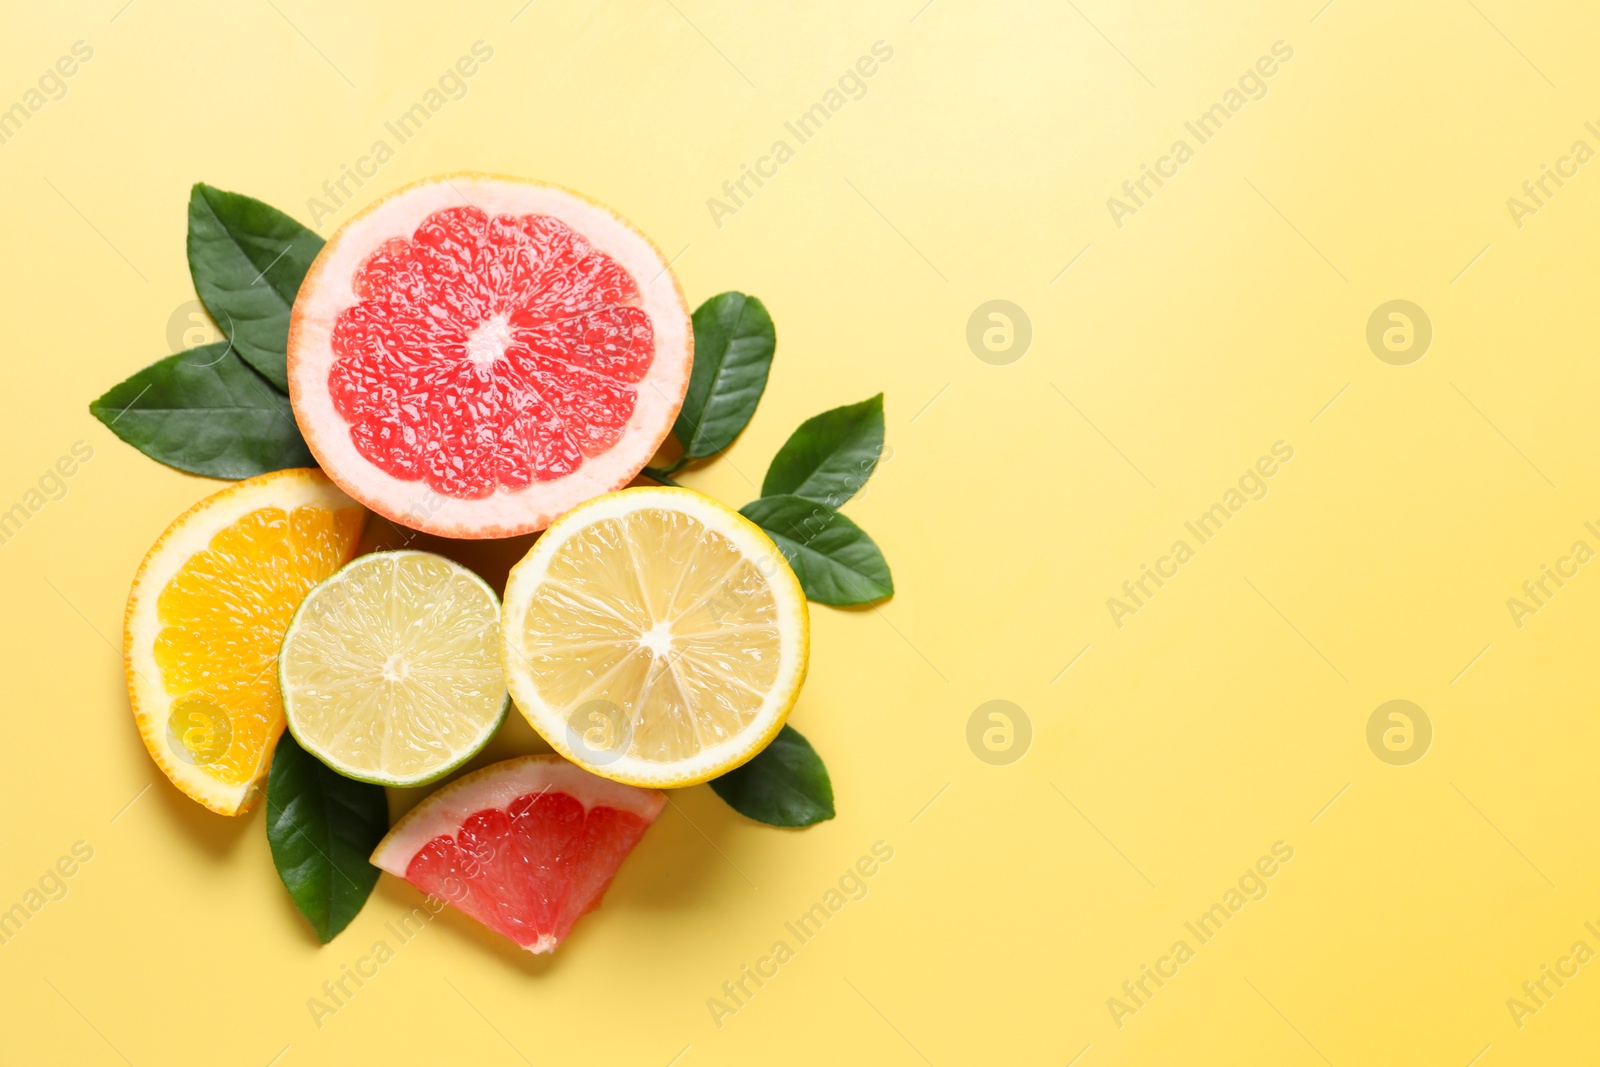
(655, 637)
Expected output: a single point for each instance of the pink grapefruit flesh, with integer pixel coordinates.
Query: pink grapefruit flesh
(526, 847)
(473, 356)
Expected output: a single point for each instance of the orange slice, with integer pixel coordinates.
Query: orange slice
(206, 616)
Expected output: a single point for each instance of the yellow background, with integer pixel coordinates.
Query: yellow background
(1224, 716)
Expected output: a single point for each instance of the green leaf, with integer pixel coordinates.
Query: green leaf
(830, 456)
(784, 785)
(204, 411)
(835, 560)
(322, 827)
(733, 345)
(248, 260)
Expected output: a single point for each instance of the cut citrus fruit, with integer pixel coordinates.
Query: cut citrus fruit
(474, 355)
(206, 616)
(390, 669)
(527, 847)
(655, 636)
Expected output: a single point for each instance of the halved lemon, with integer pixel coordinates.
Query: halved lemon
(391, 668)
(655, 637)
(205, 618)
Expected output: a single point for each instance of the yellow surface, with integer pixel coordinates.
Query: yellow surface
(1227, 313)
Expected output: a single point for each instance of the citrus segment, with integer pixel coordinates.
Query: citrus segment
(206, 615)
(655, 636)
(390, 669)
(526, 847)
(473, 355)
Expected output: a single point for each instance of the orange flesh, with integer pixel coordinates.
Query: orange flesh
(223, 617)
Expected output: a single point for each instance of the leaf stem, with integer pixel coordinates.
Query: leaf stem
(662, 476)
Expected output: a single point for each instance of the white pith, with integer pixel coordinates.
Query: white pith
(487, 344)
(791, 623)
(328, 290)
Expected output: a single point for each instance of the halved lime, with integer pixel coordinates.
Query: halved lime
(391, 671)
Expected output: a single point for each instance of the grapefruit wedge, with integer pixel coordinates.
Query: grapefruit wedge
(472, 356)
(527, 847)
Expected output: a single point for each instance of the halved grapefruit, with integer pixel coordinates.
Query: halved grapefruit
(527, 847)
(474, 355)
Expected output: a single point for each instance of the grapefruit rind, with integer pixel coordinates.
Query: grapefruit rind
(189, 534)
(315, 746)
(496, 786)
(793, 621)
(328, 289)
